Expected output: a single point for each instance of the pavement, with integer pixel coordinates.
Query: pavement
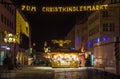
(32, 71)
(107, 69)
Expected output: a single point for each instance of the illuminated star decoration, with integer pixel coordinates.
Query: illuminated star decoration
(61, 42)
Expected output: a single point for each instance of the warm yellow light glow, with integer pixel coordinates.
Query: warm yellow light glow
(61, 42)
(74, 8)
(86, 55)
(9, 38)
(64, 59)
(22, 26)
(28, 8)
(65, 8)
(82, 49)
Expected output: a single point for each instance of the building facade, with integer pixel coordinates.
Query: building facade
(78, 37)
(71, 36)
(24, 38)
(7, 24)
(103, 29)
(13, 24)
(100, 35)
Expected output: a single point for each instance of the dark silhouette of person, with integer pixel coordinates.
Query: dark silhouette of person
(15, 63)
(7, 63)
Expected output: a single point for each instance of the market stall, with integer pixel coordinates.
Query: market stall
(62, 59)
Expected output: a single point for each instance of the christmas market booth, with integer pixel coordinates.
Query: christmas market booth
(63, 59)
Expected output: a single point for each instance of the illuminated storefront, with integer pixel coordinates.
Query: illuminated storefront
(62, 59)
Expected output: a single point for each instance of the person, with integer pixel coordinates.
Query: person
(6, 63)
(15, 63)
(80, 63)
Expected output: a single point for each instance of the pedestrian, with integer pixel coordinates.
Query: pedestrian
(19, 65)
(15, 63)
(80, 63)
(6, 63)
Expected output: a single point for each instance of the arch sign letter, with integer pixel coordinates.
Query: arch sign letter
(28, 8)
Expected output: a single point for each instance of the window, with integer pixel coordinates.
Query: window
(9, 7)
(5, 20)
(2, 36)
(12, 26)
(105, 27)
(105, 14)
(2, 18)
(27, 30)
(108, 27)
(112, 1)
(115, 1)
(112, 27)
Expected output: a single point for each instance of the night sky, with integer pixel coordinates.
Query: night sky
(48, 26)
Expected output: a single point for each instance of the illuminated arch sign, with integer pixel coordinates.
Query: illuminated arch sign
(74, 8)
(65, 8)
(28, 8)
